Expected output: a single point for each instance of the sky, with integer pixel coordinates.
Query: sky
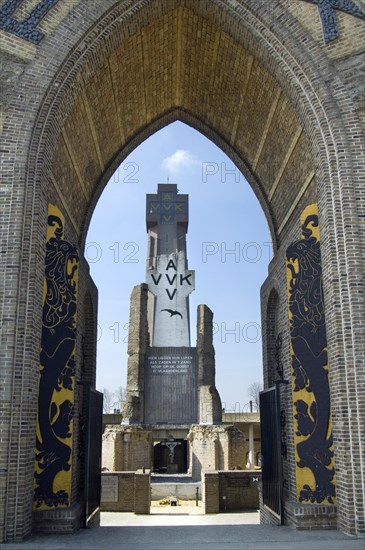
(228, 246)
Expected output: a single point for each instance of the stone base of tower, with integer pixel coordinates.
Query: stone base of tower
(216, 447)
(127, 448)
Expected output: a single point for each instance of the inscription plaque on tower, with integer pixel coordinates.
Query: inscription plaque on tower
(171, 395)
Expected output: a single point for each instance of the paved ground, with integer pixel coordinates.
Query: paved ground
(186, 528)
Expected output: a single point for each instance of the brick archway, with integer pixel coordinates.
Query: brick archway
(262, 86)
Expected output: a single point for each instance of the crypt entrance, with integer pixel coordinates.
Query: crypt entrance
(259, 83)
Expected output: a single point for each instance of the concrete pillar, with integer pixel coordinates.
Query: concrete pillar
(138, 342)
(210, 406)
(251, 447)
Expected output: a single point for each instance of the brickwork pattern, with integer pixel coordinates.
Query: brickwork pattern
(204, 63)
(274, 302)
(210, 492)
(58, 520)
(215, 447)
(276, 307)
(127, 448)
(240, 490)
(125, 483)
(230, 491)
(304, 516)
(142, 492)
(27, 28)
(328, 15)
(134, 492)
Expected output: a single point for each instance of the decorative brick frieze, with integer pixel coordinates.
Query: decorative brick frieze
(327, 11)
(26, 29)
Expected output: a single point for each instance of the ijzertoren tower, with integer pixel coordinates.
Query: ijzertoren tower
(168, 278)
(172, 414)
(169, 381)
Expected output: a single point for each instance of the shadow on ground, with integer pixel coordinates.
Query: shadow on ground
(218, 532)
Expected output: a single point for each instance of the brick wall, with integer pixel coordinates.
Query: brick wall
(142, 493)
(215, 447)
(132, 493)
(210, 492)
(59, 520)
(126, 448)
(274, 305)
(267, 87)
(230, 490)
(309, 516)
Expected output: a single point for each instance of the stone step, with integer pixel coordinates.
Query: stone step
(176, 478)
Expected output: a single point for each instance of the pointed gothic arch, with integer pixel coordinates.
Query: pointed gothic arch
(260, 83)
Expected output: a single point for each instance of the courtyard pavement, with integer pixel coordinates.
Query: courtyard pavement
(185, 527)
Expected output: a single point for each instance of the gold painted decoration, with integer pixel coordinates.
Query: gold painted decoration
(315, 471)
(53, 464)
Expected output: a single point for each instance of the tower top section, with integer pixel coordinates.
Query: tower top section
(167, 207)
(167, 219)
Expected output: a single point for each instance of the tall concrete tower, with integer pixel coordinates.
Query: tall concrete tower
(168, 277)
(169, 381)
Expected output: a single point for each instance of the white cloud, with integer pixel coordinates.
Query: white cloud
(179, 161)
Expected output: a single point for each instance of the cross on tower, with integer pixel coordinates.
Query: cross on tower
(167, 220)
(167, 207)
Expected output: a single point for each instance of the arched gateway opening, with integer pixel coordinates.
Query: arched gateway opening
(91, 84)
(228, 244)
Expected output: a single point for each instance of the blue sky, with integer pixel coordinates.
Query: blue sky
(228, 244)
